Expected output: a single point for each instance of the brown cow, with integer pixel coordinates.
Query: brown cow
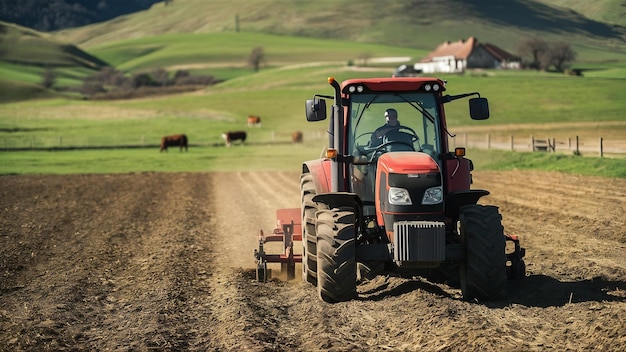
(254, 121)
(296, 137)
(229, 137)
(173, 141)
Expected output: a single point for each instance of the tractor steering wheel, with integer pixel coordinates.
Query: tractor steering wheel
(365, 150)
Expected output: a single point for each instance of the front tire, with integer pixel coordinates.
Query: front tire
(336, 251)
(483, 273)
(309, 238)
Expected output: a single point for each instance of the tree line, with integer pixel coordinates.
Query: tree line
(109, 83)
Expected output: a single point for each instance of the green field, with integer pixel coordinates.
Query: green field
(36, 120)
(278, 96)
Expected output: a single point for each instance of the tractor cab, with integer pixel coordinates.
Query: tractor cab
(389, 122)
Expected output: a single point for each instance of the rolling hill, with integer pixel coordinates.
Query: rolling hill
(419, 24)
(214, 37)
(23, 45)
(25, 54)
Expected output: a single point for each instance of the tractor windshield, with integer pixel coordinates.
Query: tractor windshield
(394, 122)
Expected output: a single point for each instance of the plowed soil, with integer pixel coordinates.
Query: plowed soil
(164, 261)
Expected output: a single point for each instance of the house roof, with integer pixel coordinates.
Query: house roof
(498, 53)
(464, 47)
(460, 50)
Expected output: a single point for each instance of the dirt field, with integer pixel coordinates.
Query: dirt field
(164, 261)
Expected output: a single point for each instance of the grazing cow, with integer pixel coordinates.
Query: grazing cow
(229, 137)
(254, 121)
(296, 137)
(179, 140)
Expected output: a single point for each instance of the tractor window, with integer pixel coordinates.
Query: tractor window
(416, 113)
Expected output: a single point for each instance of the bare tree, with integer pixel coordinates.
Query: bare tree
(364, 57)
(48, 78)
(533, 50)
(561, 55)
(160, 76)
(109, 76)
(256, 57)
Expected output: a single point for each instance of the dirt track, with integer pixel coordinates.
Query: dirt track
(164, 261)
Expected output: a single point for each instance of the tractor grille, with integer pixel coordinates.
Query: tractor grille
(419, 241)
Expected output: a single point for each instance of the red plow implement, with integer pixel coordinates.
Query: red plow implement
(288, 229)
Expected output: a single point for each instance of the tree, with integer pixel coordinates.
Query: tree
(48, 78)
(142, 80)
(109, 76)
(532, 50)
(364, 57)
(256, 58)
(160, 76)
(541, 55)
(561, 55)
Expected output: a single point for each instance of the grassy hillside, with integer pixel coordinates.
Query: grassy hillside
(25, 54)
(609, 11)
(417, 24)
(219, 50)
(520, 104)
(29, 47)
(176, 37)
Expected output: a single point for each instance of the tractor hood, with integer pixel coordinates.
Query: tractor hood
(407, 163)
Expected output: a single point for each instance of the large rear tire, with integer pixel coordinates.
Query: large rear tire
(336, 251)
(309, 238)
(483, 274)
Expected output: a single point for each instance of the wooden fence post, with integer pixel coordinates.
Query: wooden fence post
(512, 143)
(569, 143)
(488, 141)
(601, 148)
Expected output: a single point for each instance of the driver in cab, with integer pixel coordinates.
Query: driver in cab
(392, 124)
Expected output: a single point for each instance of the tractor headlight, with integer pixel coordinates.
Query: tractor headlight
(432, 196)
(399, 196)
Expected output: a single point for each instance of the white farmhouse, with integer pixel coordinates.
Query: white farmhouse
(456, 57)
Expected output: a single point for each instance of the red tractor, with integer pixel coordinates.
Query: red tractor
(389, 194)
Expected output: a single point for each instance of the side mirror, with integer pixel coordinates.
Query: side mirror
(315, 110)
(479, 108)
